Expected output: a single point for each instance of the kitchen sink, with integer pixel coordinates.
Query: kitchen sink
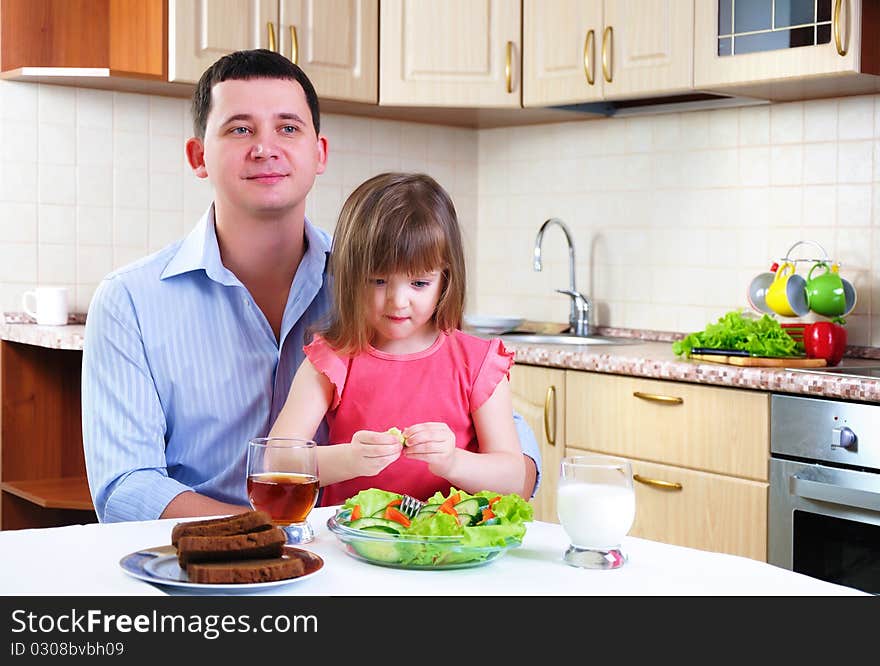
(564, 339)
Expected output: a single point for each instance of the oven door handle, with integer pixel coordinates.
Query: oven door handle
(813, 483)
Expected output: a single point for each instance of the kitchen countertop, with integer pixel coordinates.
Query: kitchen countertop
(642, 358)
(29, 567)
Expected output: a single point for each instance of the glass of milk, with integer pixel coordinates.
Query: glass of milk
(596, 504)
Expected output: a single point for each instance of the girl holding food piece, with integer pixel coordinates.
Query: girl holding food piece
(392, 356)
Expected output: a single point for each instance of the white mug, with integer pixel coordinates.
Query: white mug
(49, 305)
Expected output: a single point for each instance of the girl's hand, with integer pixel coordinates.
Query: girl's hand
(371, 452)
(434, 443)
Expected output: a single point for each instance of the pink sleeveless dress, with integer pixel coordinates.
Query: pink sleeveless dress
(374, 391)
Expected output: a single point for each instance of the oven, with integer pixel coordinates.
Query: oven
(824, 515)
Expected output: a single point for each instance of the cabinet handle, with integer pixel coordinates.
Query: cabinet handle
(294, 46)
(838, 42)
(270, 27)
(607, 64)
(589, 56)
(508, 67)
(657, 483)
(551, 398)
(668, 399)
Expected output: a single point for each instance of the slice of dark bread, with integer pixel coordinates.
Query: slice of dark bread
(265, 543)
(242, 523)
(246, 571)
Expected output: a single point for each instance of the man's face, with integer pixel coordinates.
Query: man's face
(260, 150)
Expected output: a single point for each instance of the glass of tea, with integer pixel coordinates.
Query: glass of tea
(282, 480)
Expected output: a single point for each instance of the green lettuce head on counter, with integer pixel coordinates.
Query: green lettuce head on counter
(760, 336)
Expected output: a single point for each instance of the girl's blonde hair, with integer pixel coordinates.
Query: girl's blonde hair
(393, 223)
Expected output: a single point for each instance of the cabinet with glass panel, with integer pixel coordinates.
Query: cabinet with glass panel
(787, 49)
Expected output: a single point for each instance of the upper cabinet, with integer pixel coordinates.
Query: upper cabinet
(450, 53)
(124, 37)
(787, 49)
(585, 51)
(334, 41)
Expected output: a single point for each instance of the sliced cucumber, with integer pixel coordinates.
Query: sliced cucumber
(372, 521)
(429, 508)
(472, 506)
(377, 551)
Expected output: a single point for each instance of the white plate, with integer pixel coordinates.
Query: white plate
(159, 565)
(492, 324)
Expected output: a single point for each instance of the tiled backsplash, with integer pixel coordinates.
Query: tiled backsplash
(672, 214)
(91, 180)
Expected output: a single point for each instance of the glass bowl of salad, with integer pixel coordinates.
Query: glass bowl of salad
(454, 531)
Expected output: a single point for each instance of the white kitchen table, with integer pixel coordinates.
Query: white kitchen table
(83, 560)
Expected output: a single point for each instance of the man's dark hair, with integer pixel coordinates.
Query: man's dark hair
(242, 65)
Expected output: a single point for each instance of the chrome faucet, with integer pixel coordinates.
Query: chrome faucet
(581, 306)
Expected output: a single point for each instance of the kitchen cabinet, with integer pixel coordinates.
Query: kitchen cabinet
(700, 456)
(576, 51)
(463, 53)
(122, 37)
(42, 467)
(780, 49)
(539, 397)
(334, 41)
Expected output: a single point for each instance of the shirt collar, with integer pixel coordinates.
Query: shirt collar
(201, 251)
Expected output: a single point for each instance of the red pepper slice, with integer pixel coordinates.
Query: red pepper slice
(487, 514)
(494, 499)
(393, 514)
(448, 509)
(394, 502)
(451, 502)
(355, 512)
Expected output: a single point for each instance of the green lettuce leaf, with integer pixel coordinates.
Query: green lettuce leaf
(760, 336)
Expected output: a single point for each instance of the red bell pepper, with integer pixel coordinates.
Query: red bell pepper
(494, 499)
(393, 514)
(394, 502)
(825, 339)
(355, 512)
(487, 515)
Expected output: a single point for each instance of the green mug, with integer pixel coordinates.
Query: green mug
(825, 293)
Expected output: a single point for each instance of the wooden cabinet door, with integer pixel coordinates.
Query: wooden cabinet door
(201, 31)
(646, 47)
(336, 42)
(712, 512)
(720, 430)
(561, 43)
(714, 70)
(539, 397)
(124, 36)
(463, 53)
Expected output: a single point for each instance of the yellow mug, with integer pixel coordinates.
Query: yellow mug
(787, 294)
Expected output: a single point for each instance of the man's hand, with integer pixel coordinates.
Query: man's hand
(433, 443)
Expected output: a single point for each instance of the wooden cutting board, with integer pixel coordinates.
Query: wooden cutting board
(762, 361)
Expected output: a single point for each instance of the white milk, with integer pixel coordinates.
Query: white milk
(595, 515)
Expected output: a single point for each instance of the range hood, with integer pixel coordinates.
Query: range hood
(695, 101)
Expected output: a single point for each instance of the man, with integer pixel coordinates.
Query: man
(190, 352)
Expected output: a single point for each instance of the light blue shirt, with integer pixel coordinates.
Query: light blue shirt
(181, 368)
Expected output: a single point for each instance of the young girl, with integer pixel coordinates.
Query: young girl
(393, 357)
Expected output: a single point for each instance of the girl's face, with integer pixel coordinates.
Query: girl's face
(401, 308)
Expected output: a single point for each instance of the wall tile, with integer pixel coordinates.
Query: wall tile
(57, 144)
(18, 222)
(856, 118)
(821, 120)
(56, 105)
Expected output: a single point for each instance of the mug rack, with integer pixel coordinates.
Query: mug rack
(825, 258)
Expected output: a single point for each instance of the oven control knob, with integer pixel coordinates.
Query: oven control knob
(843, 438)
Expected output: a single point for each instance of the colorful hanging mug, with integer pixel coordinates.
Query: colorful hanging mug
(787, 294)
(825, 294)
